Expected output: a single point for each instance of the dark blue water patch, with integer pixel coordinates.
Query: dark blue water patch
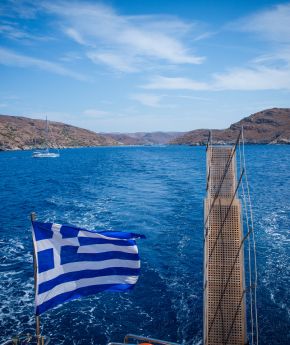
(154, 191)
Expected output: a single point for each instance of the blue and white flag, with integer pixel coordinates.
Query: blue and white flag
(73, 262)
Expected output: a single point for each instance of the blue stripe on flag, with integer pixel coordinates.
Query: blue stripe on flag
(69, 254)
(119, 234)
(84, 241)
(45, 260)
(81, 292)
(43, 231)
(68, 231)
(73, 276)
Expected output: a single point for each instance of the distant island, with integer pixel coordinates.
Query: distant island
(271, 126)
(145, 138)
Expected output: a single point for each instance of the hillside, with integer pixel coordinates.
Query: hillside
(21, 133)
(271, 126)
(144, 138)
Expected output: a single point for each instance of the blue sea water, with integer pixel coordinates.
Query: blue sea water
(156, 191)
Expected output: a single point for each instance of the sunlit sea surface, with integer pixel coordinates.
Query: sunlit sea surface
(156, 191)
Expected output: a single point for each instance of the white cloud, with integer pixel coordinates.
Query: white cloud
(121, 63)
(16, 8)
(163, 23)
(243, 79)
(95, 113)
(260, 78)
(13, 31)
(271, 24)
(137, 38)
(146, 99)
(10, 58)
(75, 35)
(204, 36)
(266, 72)
(174, 83)
(195, 98)
(71, 56)
(279, 58)
(270, 71)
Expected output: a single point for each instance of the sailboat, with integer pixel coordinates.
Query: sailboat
(45, 153)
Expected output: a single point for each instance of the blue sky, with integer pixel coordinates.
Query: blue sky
(144, 65)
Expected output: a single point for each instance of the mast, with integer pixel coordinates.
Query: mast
(37, 319)
(46, 132)
(224, 285)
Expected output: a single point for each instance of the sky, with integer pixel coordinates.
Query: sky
(144, 65)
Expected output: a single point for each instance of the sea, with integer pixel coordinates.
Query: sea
(155, 191)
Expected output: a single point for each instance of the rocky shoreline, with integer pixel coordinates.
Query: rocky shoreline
(271, 126)
(22, 133)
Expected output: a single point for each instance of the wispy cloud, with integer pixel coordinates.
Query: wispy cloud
(95, 113)
(12, 31)
(11, 58)
(71, 56)
(195, 98)
(259, 78)
(266, 72)
(117, 61)
(243, 79)
(270, 24)
(174, 83)
(75, 35)
(204, 36)
(149, 100)
(270, 71)
(114, 39)
(16, 8)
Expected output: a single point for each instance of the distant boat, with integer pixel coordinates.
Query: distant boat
(45, 153)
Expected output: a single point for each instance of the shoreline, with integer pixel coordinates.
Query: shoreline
(153, 145)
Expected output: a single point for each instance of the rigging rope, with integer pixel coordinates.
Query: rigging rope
(249, 249)
(253, 237)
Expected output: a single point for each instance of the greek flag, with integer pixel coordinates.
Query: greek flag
(73, 262)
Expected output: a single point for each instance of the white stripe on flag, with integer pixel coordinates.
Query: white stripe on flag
(73, 285)
(85, 265)
(102, 248)
(56, 243)
(92, 234)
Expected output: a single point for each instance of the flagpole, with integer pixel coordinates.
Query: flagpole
(37, 319)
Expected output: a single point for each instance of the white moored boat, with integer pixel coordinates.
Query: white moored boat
(45, 153)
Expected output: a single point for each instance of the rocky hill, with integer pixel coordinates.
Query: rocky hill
(144, 138)
(21, 133)
(271, 126)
